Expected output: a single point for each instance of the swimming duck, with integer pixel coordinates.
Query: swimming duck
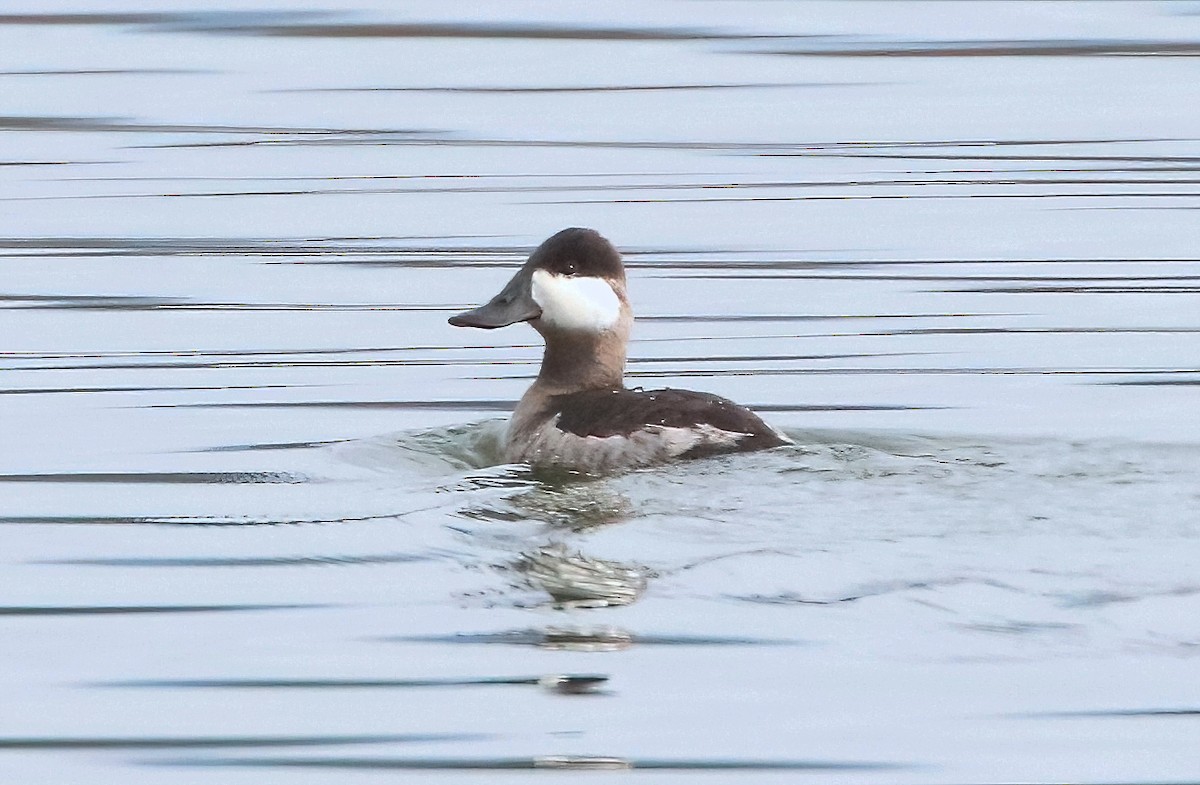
(579, 415)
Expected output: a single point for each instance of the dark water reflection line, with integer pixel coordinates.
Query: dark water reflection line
(549, 762)
(191, 520)
(991, 48)
(243, 246)
(124, 304)
(508, 406)
(217, 742)
(379, 362)
(106, 302)
(1028, 331)
(265, 364)
(1113, 713)
(61, 123)
(455, 260)
(388, 251)
(54, 163)
(271, 446)
(169, 478)
(1184, 159)
(474, 405)
(163, 18)
(1059, 170)
(580, 681)
(249, 561)
(949, 183)
(1135, 207)
(109, 72)
(616, 88)
(91, 519)
(870, 276)
(913, 371)
(143, 303)
(602, 637)
(181, 388)
(183, 353)
(694, 359)
(150, 303)
(283, 352)
(123, 610)
(1078, 290)
(466, 30)
(251, 352)
(338, 178)
(789, 317)
(861, 197)
(753, 148)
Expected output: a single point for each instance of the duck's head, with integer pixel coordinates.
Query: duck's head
(573, 283)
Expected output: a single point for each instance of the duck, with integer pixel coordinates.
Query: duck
(578, 415)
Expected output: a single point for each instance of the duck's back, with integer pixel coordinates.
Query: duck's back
(618, 428)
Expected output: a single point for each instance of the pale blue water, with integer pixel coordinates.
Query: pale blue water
(253, 525)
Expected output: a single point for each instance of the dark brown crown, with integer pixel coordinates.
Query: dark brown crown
(577, 251)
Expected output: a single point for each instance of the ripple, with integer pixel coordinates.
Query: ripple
(1119, 713)
(543, 89)
(213, 742)
(568, 684)
(587, 639)
(1012, 48)
(546, 762)
(113, 610)
(248, 561)
(167, 478)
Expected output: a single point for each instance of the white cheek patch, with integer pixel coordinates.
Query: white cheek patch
(575, 303)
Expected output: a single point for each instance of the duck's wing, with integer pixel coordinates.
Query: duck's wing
(602, 430)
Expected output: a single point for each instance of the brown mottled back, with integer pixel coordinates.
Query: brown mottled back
(620, 411)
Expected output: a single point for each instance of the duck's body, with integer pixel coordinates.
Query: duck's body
(578, 414)
(612, 429)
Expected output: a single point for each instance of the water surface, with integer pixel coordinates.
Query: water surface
(257, 526)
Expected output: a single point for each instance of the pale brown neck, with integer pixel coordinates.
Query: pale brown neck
(575, 361)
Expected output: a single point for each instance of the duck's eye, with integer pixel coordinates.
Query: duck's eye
(569, 268)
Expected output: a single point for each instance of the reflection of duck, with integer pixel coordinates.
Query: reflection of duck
(580, 581)
(578, 414)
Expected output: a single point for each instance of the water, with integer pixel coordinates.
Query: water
(255, 525)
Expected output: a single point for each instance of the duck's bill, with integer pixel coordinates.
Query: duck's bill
(514, 304)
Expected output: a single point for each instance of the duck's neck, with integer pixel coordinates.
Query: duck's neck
(576, 361)
(572, 362)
